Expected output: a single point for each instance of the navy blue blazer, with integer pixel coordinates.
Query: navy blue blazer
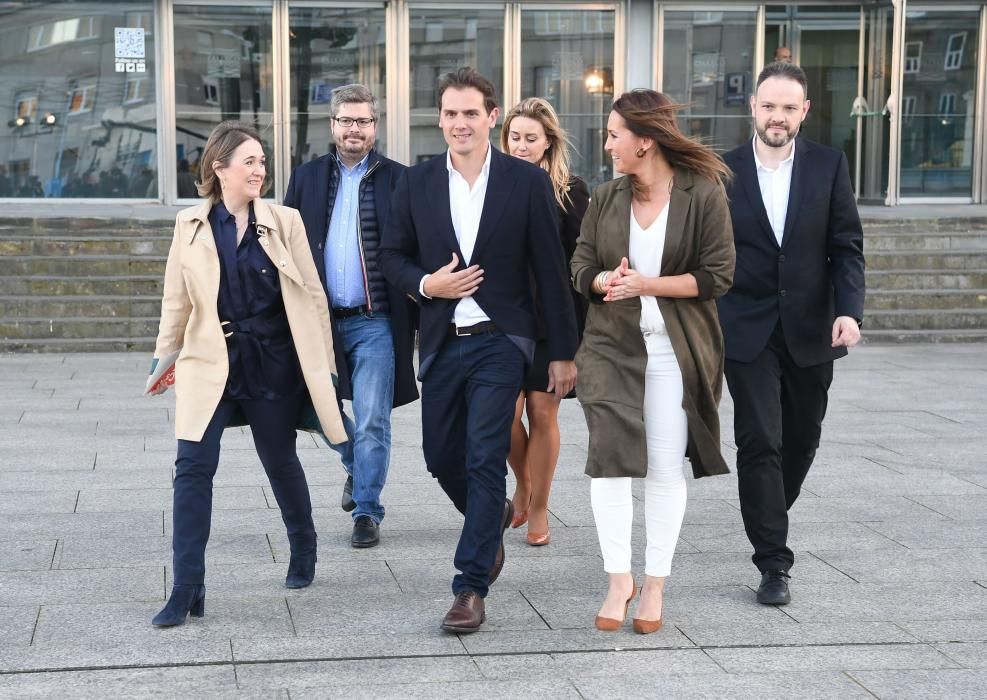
(308, 192)
(518, 229)
(815, 275)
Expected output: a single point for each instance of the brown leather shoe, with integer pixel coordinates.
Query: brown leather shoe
(466, 614)
(499, 559)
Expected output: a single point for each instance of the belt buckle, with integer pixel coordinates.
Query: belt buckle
(462, 335)
(226, 323)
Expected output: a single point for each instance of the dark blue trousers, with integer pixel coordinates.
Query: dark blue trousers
(272, 424)
(468, 399)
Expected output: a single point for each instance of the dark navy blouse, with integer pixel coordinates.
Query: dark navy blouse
(263, 361)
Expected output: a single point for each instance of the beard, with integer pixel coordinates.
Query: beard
(354, 149)
(777, 140)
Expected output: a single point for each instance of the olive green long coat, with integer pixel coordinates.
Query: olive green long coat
(612, 358)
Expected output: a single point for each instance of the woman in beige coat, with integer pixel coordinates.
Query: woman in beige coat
(244, 308)
(655, 250)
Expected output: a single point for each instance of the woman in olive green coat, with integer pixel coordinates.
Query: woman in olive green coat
(655, 250)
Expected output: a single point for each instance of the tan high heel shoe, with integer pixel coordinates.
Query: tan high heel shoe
(608, 624)
(540, 539)
(648, 626)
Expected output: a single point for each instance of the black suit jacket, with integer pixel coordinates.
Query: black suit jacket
(815, 275)
(308, 191)
(518, 228)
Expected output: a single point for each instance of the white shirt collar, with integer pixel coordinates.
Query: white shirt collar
(483, 172)
(762, 166)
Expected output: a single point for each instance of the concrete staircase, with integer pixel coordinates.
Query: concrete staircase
(81, 284)
(95, 284)
(926, 280)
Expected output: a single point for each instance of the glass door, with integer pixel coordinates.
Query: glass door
(938, 99)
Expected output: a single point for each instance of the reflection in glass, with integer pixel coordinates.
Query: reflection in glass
(938, 101)
(708, 65)
(77, 85)
(223, 70)
(442, 41)
(330, 48)
(567, 59)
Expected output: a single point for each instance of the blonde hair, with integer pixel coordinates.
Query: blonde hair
(222, 142)
(556, 157)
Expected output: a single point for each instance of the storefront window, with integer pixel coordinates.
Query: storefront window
(938, 101)
(223, 70)
(708, 65)
(567, 58)
(442, 41)
(330, 48)
(77, 81)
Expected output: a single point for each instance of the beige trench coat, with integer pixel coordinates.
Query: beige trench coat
(612, 357)
(190, 320)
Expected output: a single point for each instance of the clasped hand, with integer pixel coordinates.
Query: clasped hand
(446, 283)
(625, 283)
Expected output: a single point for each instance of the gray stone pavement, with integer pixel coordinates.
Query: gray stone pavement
(890, 583)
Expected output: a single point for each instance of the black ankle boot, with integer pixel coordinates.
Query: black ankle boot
(301, 570)
(185, 600)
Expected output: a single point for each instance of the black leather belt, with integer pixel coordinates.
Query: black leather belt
(475, 329)
(349, 311)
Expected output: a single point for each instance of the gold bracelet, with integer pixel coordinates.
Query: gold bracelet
(601, 280)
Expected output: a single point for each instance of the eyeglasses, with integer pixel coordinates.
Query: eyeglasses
(347, 122)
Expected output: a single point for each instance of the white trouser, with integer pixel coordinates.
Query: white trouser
(664, 487)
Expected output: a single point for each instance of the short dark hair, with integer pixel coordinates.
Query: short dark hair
(465, 78)
(783, 69)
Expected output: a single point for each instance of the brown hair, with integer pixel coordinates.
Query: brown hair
(223, 140)
(556, 157)
(784, 69)
(652, 115)
(465, 78)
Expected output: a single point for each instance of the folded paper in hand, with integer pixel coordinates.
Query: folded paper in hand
(162, 373)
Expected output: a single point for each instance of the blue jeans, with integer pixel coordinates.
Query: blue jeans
(369, 347)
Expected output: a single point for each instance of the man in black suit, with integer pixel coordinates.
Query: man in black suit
(796, 304)
(344, 198)
(465, 227)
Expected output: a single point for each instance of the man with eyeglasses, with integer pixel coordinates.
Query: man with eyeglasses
(344, 198)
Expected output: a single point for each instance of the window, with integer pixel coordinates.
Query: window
(908, 106)
(954, 51)
(81, 99)
(27, 107)
(947, 104)
(42, 36)
(913, 56)
(142, 20)
(210, 91)
(136, 90)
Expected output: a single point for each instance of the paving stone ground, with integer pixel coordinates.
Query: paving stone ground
(889, 587)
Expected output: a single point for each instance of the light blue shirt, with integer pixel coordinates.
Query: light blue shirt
(344, 266)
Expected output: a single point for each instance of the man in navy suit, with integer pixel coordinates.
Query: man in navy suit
(464, 230)
(796, 304)
(344, 199)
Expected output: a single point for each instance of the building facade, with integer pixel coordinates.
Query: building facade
(113, 101)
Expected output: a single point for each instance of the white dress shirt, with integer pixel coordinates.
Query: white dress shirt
(466, 207)
(646, 248)
(775, 187)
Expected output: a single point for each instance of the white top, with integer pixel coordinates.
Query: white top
(775, 187)
(646, 250)
(466, 207)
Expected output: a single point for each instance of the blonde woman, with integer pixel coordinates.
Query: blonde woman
(244, 307)
(532, 132)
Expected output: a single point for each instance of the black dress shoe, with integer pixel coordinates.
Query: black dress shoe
(498, 564)
(774, 588)
(366, 533)
(347, 503)
(466, 614)
(184, 600)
